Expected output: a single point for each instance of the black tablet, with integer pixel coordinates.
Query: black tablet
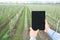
(38, 20)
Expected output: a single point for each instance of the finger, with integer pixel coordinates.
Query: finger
(30, 28)
(37, 30)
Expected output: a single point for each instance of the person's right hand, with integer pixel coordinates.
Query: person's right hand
(33, 33)
(47, 27)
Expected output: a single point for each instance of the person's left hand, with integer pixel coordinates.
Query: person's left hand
(33, 33)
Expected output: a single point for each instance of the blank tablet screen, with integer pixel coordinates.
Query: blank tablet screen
(38, 20)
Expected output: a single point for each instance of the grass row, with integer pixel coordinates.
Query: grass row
(17, 35)
(6, 31)
(6, 11)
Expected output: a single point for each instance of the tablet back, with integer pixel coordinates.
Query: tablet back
(38, 20)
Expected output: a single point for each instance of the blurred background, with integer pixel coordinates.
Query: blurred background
(15, 18)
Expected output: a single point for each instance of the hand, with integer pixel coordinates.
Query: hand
(33, 33)
(47, 27)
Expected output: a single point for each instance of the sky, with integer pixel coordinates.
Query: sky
(30, 1)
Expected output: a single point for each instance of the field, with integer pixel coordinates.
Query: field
(15, 20)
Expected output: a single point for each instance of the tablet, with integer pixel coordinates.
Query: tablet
(38, 20)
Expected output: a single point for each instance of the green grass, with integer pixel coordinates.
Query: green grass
(6, 11)
(19, 27)
(10, 25)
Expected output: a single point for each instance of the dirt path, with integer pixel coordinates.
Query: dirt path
(12, 33)
(15, 27)
(17, 24)
(6, 23)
